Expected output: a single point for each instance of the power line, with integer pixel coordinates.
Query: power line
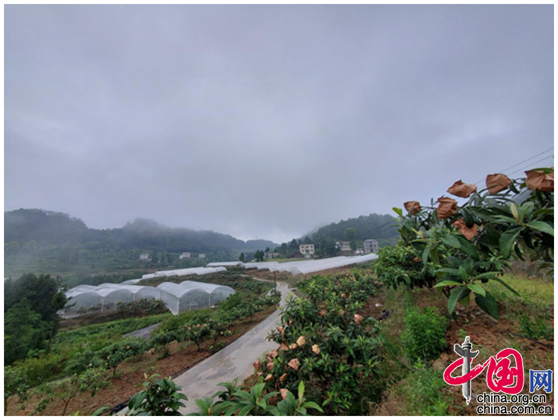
(517, 164)
(532, 163)
(385, 227)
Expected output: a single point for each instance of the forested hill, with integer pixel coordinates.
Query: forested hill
(374, 226)
(41, 228)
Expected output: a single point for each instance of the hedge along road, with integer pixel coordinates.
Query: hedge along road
(234, 361)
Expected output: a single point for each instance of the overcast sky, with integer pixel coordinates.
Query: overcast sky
(267, 121)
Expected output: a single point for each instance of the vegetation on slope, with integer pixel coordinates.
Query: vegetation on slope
(55, 243)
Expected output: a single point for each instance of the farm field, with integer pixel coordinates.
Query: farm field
(403, 385)
(433, 396)
(169, 351)
(279, 211)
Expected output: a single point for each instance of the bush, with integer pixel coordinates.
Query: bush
(42, 368)
(325, 341)
(402, 265)
(423, 394)
(142, 307)
(111, 356)
(424, 335)
(160, 397)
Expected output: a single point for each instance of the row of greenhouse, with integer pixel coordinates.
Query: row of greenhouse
(199, 271)
(178, 298)
(188, 295)
(300, 267)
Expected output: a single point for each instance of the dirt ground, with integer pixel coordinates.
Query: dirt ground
(130, 374)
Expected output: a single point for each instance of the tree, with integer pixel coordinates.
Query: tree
(24, 330)
(242, 257)
(267, 249)
(259, 255)
(350, 234)
(41, 292)
(91, 380)
(293, 245)
(461, 248)
(111, 356)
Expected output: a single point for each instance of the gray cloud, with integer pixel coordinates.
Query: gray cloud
(267, 121)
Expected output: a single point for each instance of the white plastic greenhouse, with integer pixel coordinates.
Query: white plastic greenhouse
(261, 265)
(224, 264)
(200, 271)
(321, 265)
(310, 266)
(190, 295)
(107, 295)
(177, 297)
(133, 281)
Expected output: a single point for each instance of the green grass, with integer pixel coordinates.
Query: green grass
(424, 394)
(535, 290)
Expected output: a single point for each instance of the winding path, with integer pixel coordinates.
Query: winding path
(234, 361)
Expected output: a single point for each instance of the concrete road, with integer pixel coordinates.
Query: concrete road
(144, 333)
(233, 361)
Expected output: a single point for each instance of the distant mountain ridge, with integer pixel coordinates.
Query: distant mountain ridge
(373, 226)
(54, 228)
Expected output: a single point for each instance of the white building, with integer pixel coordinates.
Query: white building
(343, 246)
(184, 255)
(144, 257)
(371, 245)
(202, 256)
(306, 249)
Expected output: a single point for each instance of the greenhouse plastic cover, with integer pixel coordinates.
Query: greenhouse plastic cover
(224, 264)
(261, 265)
(133, 281)
(200, 271)
(177, 297)
(190, 295)
(107, 295)
(311, 266)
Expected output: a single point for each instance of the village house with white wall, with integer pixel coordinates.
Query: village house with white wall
(306, 249)
(371, 245)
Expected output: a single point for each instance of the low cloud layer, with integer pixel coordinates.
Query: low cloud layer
(267, 121)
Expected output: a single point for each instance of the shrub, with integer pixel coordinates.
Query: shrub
(15, 383)
(44, 367)
(424, 335)
(160, 397)
(424, 393)
(402, 265)
(326, 342)
(113, 355)
(142, 307)
(470, 245)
